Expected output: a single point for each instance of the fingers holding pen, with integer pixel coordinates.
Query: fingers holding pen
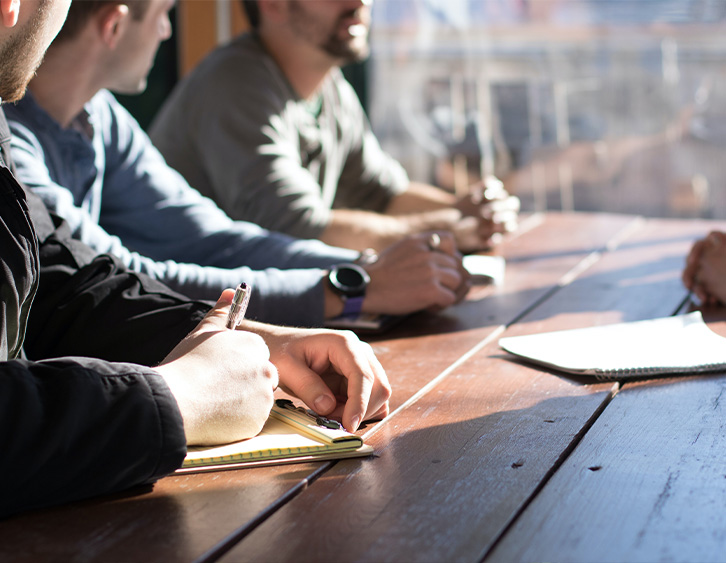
(221, 397)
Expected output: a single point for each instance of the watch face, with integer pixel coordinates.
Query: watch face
(348, 277)
(350, 280)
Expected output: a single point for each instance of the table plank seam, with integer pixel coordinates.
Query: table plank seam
(567, 279)
(614, 390)
(436, 380)
(231, 540)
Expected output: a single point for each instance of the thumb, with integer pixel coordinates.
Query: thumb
(216, 318)
(310, 388)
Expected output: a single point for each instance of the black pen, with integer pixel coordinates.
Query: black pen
(239, 305)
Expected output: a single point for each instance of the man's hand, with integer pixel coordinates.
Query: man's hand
(692, 265)
(705, 271)
(488, 211)
(221, 379)
(411, 276)
(332, 372)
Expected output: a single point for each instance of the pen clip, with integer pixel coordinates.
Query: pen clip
(319, 420)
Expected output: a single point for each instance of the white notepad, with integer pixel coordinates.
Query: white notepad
(669, 345)
(484, 268)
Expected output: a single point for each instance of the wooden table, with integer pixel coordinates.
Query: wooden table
(483, 458)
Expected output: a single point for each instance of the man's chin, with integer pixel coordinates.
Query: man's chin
(13, 94)
(349, 53)
(130, 89)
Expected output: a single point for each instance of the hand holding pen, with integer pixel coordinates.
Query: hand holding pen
(221, 396)
(333, 372)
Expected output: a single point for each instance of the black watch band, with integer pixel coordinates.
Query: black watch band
(350, 282)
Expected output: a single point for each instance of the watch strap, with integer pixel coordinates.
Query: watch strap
(352, 306)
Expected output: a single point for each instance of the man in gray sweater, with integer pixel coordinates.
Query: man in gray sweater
(268, 128)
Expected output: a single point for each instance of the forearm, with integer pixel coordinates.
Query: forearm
(364, 229)
(358, 230)
(420, 197)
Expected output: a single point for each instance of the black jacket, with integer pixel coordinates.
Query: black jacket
(74, 421)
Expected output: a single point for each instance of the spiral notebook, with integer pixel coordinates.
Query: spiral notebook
(290, 435)
(680, 344)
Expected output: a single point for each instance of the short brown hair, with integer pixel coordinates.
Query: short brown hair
(82, 10)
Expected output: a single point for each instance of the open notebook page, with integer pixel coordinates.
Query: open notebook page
(678, 344)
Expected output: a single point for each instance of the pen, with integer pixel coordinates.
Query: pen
(239, 305)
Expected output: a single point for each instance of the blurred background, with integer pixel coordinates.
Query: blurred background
(591, 105)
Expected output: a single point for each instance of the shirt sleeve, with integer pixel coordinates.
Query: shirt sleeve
(91, 305)
(74, 428)
(178, 236)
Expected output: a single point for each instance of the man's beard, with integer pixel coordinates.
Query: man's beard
(16, 70)
(348, 50)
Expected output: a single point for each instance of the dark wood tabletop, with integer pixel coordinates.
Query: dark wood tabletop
(483, 458)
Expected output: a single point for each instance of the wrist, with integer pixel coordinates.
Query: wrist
(439, 219)
(348, 282)
(333, 304)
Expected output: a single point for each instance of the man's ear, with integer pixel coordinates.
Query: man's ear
(9, 11)
(112, 22)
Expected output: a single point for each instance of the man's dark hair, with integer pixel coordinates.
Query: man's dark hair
(81, 11)
(252, 10)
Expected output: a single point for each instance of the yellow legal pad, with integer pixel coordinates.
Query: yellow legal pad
(290, 435)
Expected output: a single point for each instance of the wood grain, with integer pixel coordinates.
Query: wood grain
(459, 463)
(538, 259)
(225, 505)
(648, 483)
(472, 438)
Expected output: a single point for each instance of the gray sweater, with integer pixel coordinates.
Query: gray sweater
(239, 133)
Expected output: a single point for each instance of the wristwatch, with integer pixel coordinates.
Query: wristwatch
(350, 281)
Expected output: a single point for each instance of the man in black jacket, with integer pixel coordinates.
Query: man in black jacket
(81, 413)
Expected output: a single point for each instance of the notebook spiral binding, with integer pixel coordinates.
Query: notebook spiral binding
(611, 374)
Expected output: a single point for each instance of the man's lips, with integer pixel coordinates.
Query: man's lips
(353, 26)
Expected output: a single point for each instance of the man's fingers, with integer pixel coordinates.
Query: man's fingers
(217, 315)
(368, 387)
(341, 378)
(439, 241)
(310, 388)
